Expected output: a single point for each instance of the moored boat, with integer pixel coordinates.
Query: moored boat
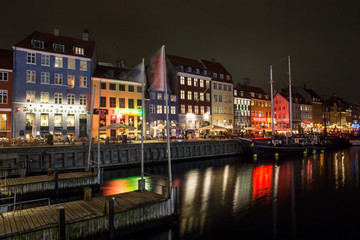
(355, 142)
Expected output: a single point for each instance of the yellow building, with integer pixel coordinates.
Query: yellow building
(120, 102)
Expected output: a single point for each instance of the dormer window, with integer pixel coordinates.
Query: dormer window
(214, 75)
(59, 47)
(79, 50)
(228, 77)
(181, 68)
(221, 76)
(205, 72)
(188, 69)
(197, 71)
(38, 43)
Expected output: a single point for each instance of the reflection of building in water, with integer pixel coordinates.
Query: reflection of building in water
(262, 182)
(339, 170)
(206, 196)
(242, 191)
(225, 181)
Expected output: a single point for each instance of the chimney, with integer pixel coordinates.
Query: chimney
(85, 35)
(56, 32)
(213, 60)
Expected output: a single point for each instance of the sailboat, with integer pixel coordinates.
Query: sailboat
(278, 147)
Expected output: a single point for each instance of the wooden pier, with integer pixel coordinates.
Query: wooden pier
(51, 182)
(81, 219)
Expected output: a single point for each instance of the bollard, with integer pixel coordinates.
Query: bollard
(61, 221)
(109, 210)
(87, 193)
(56, 176)
(276, 155)
(254, 156)
(322, 151)
(141, 185)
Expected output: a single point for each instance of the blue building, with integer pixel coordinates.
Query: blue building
(51, 85)
(155, 114)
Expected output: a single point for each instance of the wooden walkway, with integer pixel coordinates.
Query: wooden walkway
(33, 220)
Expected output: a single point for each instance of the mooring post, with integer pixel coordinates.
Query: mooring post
(141, 185)
(110, 212)
(87, 193)
(61, 220)
(56, 175)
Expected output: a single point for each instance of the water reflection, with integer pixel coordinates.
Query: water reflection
(224, 197)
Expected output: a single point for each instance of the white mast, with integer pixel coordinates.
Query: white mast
(91, 125)
(290, 99)
(142, 126)
(272, 101)
(98, 158)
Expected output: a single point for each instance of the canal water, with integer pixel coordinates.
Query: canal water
(303, 197)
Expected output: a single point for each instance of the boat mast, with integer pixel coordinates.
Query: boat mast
(290, 99)
(272, 101)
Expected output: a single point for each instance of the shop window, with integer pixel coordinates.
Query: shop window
(139, 123)
(44, 120)
(58, 121)
(29, 121)
(70, 121)
(3, 119)
(131, 121)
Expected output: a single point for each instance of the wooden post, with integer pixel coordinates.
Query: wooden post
(110, 213)
(56, 176)
(61, 220)
(87, 193)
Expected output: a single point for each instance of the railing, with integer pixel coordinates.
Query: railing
(9, 171)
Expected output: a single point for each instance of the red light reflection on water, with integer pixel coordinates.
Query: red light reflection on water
(262, 181)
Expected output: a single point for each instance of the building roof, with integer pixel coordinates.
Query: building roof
(50, 39)
(182, 64)
(215, 67)
(312, 93)
(110, 72)
(6, 59)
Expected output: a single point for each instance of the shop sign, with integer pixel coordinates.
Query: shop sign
(51, 110)
(258, 119)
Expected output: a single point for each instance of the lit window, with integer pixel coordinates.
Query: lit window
(201, 96)
(173, 98)
(195, 82)
(70, 120)
(196, 109)
(58, 79)
(173, 110)
(45, 78)
(83, 81)
(71, 81)
(182, 80)
(83, 65)
(182, 108)
(31, 58)
(189, 96)
(3, 76)
(44, 97)
(220, 110)
(44, 120)
(215, 110)
(182, 94)
(82, 99)
(196, 96)
(71, 99)
(30, 96)
(202, 110)
(3, 96)
(189, 81)
(201, 83)
(207, 84)
(45, 60)
(30, 76)
(58, 98)
(79, 51)
(208, 97)
(159, 109)
(190, 109)
(71, 63)
(58, 62)
(58, 120)
(159, 96)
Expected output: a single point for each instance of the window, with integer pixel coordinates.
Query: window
(228, 77)
(3, 96)
(30, 76)
(220, 86)
(182, 108)
(215, 85)
(58, 79)
(38, 43)
(58, 62)
(121, 102)
(215, 98)
(70, 120)
(229, 88)
(190, 109)
(189, 96)
(208, 97)
(201, 96)
(225, 87)
(44, 120)
(82, 99)
(182, 80)
(58, 98)
(173, 110)
(59, 47)
(121, 87)
(131, 88)
(45, 78)
(215, 110)
(58, 120)
(83, 65)
(102, 101)
(221, 76)
(173, 98)
(31, 59)
(159, 109)
(79, 50)
(196, 96)
(83, 81)
(159, 96)
(220, 98)
(220, 110)
(152, 108)
(71, 81)
(214, 75)
(30, 96)
(45, 60)
(139, 89)
(103, 85)
(196, 109)
(189, 81)
(44, 97)
(202, 110)
(71, 63)
(139, 103)
(3, 76)
(201, 83)
(195, 82)
(131, 103)
(113, 102)
(207, 84)
(71, 99)
(182, 94)
(112, 86)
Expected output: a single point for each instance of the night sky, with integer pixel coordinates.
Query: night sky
(321, 36)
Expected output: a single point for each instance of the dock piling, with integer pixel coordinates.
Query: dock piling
(61, 222)
(110, 213)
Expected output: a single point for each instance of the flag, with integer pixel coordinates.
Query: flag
(137, 74)
(158, 70)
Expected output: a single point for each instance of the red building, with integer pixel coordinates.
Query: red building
(6, 72)
(281, 113)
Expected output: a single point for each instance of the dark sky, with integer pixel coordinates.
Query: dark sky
(321, 36)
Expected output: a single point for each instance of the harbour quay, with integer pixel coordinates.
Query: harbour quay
(28, 160)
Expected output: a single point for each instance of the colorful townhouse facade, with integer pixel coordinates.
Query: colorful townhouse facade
(51, 85)
(6, 76)
(242, 109)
